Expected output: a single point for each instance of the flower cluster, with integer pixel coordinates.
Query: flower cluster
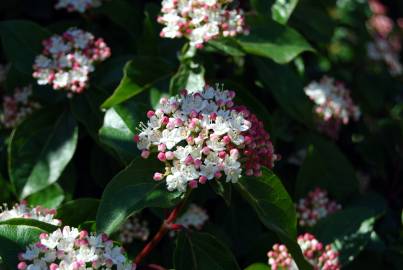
(386, 45)
(22, 210)
(333, 104)
(18, 106)
(202, 136)
(194, 217)
(320, 258)
(67, 60)
(314, 207)
(68, 248)
(77, 5)
(134, 228)
(200, 20)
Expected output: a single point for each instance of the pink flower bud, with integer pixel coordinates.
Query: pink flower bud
(158, 176)
(150, 114)
(193, 184)
(206, 150)
(22, 266)
(162, 147)
(53, 266)
(189, 160)
(145, 154)
(169, 155)
(202, 179)
(197, 163)
(161, 156)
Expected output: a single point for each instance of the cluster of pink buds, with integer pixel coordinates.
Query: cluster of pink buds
(200, 20)
(386, 45)
(134, 229)
(320, 258)
(69, 248)
(18, 106)
(203, 136)
(22, 210)
(333, 104)
(314, 207)
(67, 60)
(80, 6)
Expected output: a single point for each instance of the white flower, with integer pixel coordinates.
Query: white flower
(77, 5)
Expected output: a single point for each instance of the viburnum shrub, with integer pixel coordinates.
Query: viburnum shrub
(201, 134)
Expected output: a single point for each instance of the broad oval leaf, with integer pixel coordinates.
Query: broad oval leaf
(273, 40)
(140, 73)
(14, 239)
(202, 251)
(22, 41)
(327, 167)
(120, 125)
(130, 191)
(275, 209)
(30, 222)
(75, 213)
(40, 149)
(50, 197)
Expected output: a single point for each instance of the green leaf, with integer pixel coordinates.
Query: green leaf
(40, 149)
(349, 231)
(50, 197)
(30, 222)
(258, 266)
(282, 10)
(130, 191)
(22, 41)
(202, 251)
(287, 89)
(273, 40)
(275, 209)
(225, 45)
(70, 215)
(140, 73)
(14, 239)
(119, 127)
(224, 190)
(190, 76)
(326, 166)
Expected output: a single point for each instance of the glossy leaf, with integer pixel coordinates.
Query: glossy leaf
(202, 251)
(275, 209)
(130, 191)
(75, 213)
(14, 239)
(190, 76)
(282, 10)
(273, 40)
(120, 125)
(22, 41)
(139, 74)
(30, 222)
(50, 197)
(40, 149)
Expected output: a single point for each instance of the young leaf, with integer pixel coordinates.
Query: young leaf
(258, 266)
(282, 10)
(87, 211)
(273, 40)
(327, 167)
(270, 200)
(22, 41)
(40, 149)
(14, 239)
(130, 191)
(139, 74)
(202, 251)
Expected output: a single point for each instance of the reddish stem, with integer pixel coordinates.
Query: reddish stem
(165, 227)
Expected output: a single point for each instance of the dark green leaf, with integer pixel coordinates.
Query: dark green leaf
(40, 149)
(14, 239)
(282, 10)
(273, 40)
(222, 189)
(287, 89)
(190, 76)
(30, 222)
(202, 251)
(326, 166)
(349, 231)
(270, 200)
(22, 41)
(74, 213)
(225, 45)
(139, 74)
(130, 191)
(258, 266)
